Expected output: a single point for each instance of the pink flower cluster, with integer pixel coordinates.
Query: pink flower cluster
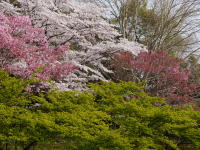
(163, 74)
(24, 50)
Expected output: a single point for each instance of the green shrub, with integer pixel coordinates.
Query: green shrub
(148, 122)
(109, 116)
(27, 119)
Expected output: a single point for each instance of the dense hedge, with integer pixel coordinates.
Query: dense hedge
(109, 116)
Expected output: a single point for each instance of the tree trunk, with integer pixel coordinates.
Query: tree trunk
(1, 147)
(6, 146)
(28, 147)
(15, 146)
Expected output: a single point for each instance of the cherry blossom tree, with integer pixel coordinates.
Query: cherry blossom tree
(24, 50)
(92, 40)
(162, 75)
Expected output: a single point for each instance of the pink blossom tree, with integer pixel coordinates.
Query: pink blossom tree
(24, 50)
(162, 74)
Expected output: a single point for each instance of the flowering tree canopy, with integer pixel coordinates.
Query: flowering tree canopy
(24, 49)
(92, 39)
(163, 75)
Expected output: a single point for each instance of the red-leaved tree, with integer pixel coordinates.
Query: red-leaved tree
(162, 74)
(24, 50)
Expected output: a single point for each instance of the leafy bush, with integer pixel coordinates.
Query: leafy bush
(109, 116)
(27, 119)
(148, 122)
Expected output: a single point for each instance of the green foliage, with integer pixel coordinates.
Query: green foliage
(148, 122)
(109, 116)
(56, 116)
